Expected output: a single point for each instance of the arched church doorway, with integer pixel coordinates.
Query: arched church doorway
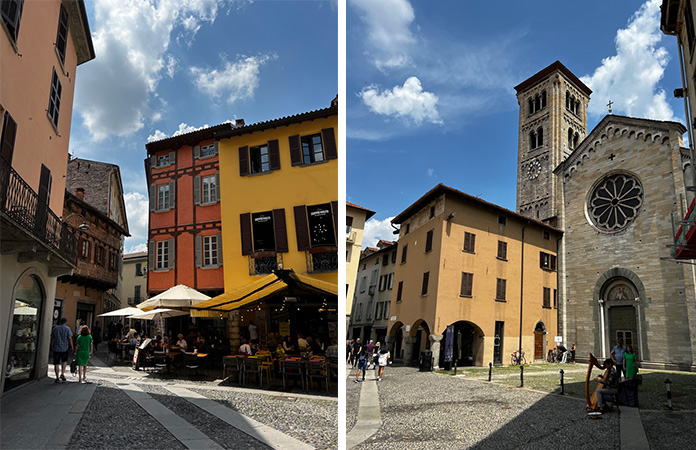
(621, 304)
(539, 341)
(466, 345)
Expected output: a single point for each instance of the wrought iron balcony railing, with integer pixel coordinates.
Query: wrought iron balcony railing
(22, 204)
(264, 263)
(322, 259)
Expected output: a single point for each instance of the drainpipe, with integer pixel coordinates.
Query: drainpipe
(521, 288)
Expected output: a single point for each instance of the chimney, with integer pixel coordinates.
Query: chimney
(80, 193)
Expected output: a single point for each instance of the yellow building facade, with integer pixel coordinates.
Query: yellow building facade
(279, 208)
(467, 267)
(356, 216)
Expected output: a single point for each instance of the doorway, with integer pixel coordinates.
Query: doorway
(498, 342)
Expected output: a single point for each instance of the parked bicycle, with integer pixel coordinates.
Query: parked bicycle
(518, 360)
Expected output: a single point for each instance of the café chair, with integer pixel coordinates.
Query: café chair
(318, 370)
(290, 369)
(232, 364)
(191, 362)
(162, 363)
(253, 366)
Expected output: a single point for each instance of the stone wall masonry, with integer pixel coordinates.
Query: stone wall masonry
(94, 178)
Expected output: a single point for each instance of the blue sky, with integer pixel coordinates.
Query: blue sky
(430, 88)
(164, 67)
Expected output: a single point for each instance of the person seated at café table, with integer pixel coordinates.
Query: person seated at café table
(245, 348)
(271, 342)
(280, 351)
(288, 345)
(200, 342)
(181, 343)
(314, 346)
(301, 342)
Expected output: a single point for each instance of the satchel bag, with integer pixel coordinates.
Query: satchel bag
(73, 367)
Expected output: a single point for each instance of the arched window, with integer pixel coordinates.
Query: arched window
(531, 106)
(532, 140)
(537, 103)
(540, 137)
(577, 107)
(570, 138)
(575, 140)
(567, 100)
(543, 99)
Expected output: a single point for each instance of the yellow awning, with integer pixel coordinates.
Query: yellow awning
(257, 290)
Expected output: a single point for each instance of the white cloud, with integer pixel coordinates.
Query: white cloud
(158, 136)
(630, 78)
(389, 36)
(235, 81)
(431, 172)
(172, 62)
(137, 211)
(408, 101)
(376, 230)
(131, 40)
(183, 129)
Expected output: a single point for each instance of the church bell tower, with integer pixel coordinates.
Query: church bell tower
(553, 121)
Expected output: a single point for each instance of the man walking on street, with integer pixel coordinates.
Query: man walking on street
(61, 340)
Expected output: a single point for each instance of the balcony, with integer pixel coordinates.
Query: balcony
(29, 227)
(135, 300)
(322, 259)
(264, 263)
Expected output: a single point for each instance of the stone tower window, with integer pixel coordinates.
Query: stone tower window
(573, 138)
(615, 202)
(537, 103)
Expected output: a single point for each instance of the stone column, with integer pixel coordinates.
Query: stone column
(408, 346)
(391, 345)
(435, 348)
(233, 331)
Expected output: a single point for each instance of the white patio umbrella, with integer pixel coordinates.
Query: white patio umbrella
(127, 311)
(179, 296)
(158, 314)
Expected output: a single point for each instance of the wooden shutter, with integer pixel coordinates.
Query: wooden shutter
(334, 208)
(198, 247)
(197, 151)
(295, 150)
(399, 291)
(153, 161)
(429, 241)
(245, 227)
(404, 253)
(171, 243)
(327, 135)
(274, 154)
(197, 190)
(152, 255)
(217, 187)
(426, 278)
(172, 194)
(541, 260)
(552, 265)
(219, 248)
(243, 161)
(216, 148)
(153, 197)
(45, 185)
(9, 133)
(172, 157)
(62, 36)
(301, 227)
(281, 237)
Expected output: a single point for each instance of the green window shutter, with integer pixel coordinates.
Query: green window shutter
(197, 190)
(198, 244)
(171, 243)
(219, 247)
(172, 194)
(197, 151)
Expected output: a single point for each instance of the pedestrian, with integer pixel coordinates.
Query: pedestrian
(362, 364)
(83, 353)
(375, 355)
(96, 335)
(61, 340)
(370, 350)
(630, 363)
(357, 349)
(617, 356)
(572, 351)
(383, 360)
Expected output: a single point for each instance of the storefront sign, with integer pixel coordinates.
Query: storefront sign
(284, 328)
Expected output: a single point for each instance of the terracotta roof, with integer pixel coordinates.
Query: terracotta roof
(441, 189)
(537, 77)
(370, 213)
(135, 255)
(190, 138)
(275, 123)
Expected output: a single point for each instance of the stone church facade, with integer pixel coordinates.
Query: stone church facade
(613, 192)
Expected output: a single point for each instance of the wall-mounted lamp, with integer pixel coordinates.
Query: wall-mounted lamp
(451, 216)
(84, 226)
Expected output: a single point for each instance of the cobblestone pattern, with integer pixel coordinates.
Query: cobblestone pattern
(312, 421)
(669, 429)
(219, 431)
(431, 411)
(113, 420)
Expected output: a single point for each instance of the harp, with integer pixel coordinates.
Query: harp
(592, 400)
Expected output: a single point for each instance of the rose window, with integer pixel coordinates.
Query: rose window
(615, 202)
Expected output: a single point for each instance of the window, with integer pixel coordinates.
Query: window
(62, 37)
(399, 291)
(502, 220)
(168, 159)
(99, 255)
(54, 99)
(209, 189)
(210, 251)
(136, 294)
(313, 148)
(424, 288)
(429, 241)
(263, 232)
(546, 235)
(11, 12)
(378, 310)
(382, 282)
(390, 281)
(404, 252)
(259, 159)
(408, 228)
(500, 290)
(536, 138)
(547, 298)
(393, 257)
(573, 138)
(572, 104)
(163, 255)
(547, 261)
(208, 150)
(469, 242)
(555, 299)
(84, 249)
(537, 103)
(162, 160)
(7, 140)
(502, 250)
(432, 212)
(138, 270)
(385, 259)
(363, 284)
(321, 225)
(163, 197)
(615, 202)
(349, 226)
(467, 284)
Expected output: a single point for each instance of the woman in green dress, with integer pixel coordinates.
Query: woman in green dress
(83, 353)
(630, 365)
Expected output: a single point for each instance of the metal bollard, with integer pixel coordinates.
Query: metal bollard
(562, 385)
(490, 370)
(521, 376)
(669, 393)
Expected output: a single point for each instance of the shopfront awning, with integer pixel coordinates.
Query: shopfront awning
(260, 289)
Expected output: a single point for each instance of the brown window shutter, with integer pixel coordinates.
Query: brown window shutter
(197, 151)
(274, 153)
(301, 227)
(281, 236)
(245, 227)
(219, 248)
(172, 158)
(334, 207)
(172, 194)
(152, 249)
(295, 152)
(327, 135)
(7, 142)
(541, 259)
(243, 161)
(553, 262)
